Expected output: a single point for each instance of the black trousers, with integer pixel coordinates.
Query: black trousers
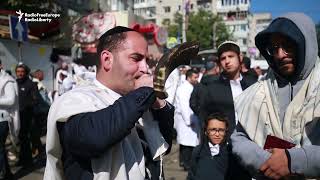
(185, 156)
(36, 133)
(5, 172)
(25, 156)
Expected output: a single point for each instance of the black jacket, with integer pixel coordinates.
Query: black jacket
(88, 135)
(204, 166)
(224, 166)
(197, 98)
(28, 94)
(218, 98)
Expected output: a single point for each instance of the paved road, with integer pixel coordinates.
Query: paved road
(171, 168)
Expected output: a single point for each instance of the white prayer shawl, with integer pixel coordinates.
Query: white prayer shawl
(258, 111)
(13, 119)
(116, 161)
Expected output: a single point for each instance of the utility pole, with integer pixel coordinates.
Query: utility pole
(184, 34)
(131, 10)
(214, 35)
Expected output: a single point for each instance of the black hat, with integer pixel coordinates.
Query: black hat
(116, 30)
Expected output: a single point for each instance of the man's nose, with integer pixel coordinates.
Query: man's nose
(280, 53)
(227, 60)
(143, 66)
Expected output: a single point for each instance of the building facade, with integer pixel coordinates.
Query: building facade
(235, 14)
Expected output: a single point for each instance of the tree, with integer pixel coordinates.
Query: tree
(200, 28)
(174, 30)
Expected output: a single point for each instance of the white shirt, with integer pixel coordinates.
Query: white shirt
(214, 149)
(236, 87)
(236, 90)
(111, 92)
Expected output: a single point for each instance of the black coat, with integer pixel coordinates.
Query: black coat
(218, 98)
(198, 94)
(204, 166)
(28, 94)
(224, 166)
(88, 135)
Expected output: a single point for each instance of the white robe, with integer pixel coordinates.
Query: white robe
(10, 112)
(184, 116)
(260, 117)
(114, 163)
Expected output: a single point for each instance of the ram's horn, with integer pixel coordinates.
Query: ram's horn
(178, 55)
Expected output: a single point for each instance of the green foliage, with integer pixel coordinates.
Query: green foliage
(174, 29)
(28, 6)
(200, 27)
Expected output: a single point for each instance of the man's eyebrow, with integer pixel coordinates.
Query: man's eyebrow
(140, 56)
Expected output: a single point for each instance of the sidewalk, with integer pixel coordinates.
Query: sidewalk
(171, 168)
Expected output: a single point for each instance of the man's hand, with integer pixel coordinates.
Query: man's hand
(276, 166)
(159, 103)
(145, 80)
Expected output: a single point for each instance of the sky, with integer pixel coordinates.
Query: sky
(278, 7)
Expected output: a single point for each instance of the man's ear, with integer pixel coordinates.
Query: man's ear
(106, 60)
(241, 58)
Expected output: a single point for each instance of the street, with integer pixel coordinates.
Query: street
(171, 167)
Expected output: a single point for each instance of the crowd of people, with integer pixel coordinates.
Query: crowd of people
(24, 109)
(231, 121)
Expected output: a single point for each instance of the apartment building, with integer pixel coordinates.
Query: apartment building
(235, 14)
(146, 9)
(258, 22)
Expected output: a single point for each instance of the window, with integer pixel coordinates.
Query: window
(166, 22)
(179, 8)
(244, 41)
(167, 9)
(243, 27)
(191, 6)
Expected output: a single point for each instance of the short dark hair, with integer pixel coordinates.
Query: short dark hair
(111, 40)
(190, 72)
(209, 65)
(25, 67)
(218, 116)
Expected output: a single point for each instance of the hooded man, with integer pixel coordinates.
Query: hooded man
(284, 104)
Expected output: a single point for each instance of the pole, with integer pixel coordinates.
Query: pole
(20, 51)
(184, 35)
(214, 36)
(53, 78)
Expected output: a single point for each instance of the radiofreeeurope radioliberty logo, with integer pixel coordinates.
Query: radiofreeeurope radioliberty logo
(37, 17)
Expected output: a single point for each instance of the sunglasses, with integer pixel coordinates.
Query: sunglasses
(272, 50)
